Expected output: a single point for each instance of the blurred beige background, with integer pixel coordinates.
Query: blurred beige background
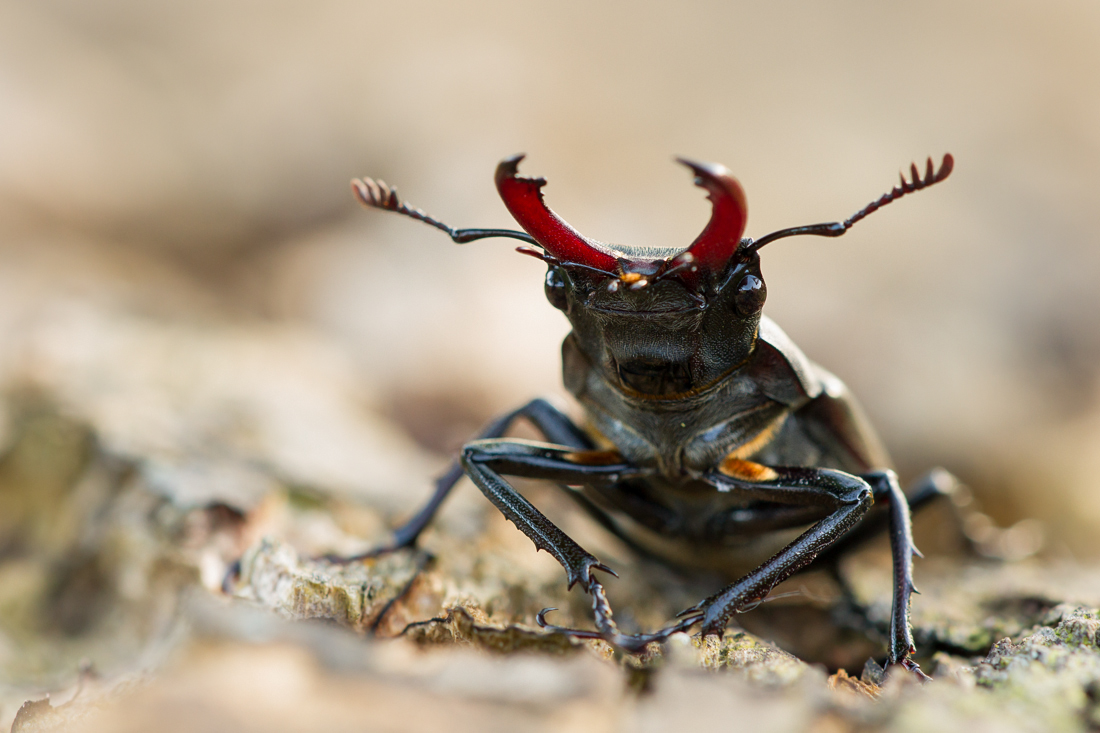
(187, 163)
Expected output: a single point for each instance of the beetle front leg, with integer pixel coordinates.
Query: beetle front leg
(897, 508)
(936, 485)
(846, 497)
(850, 497)
(486, 461)
(550, 421)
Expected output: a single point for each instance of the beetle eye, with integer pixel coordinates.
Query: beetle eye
(555, 288)
(750, 296)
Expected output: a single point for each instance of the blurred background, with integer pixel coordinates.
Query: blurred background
(181, 169)
(189, 163)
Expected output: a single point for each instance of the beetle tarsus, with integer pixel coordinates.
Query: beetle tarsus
(608, 630)
(912, 667)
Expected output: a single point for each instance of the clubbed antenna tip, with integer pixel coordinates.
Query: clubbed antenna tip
(377, 194)
(836, 228)
(931, 176)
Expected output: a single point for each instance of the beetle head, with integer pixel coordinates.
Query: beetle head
(658, 322)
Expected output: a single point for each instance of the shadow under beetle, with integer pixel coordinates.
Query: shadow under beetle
(710, 438)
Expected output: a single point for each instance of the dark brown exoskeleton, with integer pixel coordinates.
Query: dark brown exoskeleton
(710, 439)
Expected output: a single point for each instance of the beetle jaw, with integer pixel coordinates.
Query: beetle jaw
(696, 267)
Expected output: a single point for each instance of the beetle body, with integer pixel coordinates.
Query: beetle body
(776, 408)
(710, 440)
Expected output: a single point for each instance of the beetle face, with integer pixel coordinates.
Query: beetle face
(657, 323)
(661, 340)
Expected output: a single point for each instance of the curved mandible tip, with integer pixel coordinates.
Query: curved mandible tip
(523, 197)
(714, 247)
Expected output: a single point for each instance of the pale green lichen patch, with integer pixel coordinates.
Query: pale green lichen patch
(1068, 649)
(966, 606)
(751, 657)
(1075, 626)
(1044, 679)
(354, 594)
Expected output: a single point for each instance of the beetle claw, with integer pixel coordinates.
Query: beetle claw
(601, 566)
(629, 643)
(912, 667)
(540, 619)
(607, 630)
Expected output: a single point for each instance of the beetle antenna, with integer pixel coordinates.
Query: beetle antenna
(836, 228)
(554, 261)
(378, 194)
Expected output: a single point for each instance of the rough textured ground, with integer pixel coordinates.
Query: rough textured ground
(162, 569)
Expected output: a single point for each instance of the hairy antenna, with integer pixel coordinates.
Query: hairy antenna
(380, 195)
(836, 228)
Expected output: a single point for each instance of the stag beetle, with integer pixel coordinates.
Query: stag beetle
(710, 439)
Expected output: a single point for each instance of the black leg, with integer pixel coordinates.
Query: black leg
(894, 517)
(555, 425)
(844, 498)
(934, 486)
(847, 497)
(879, 485)
(551, 422)
(886, 488)
(485, 462)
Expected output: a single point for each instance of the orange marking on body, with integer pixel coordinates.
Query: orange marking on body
(631, 277)
(746, 470)
(597, 437)
(762, 439)
(594, 457)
